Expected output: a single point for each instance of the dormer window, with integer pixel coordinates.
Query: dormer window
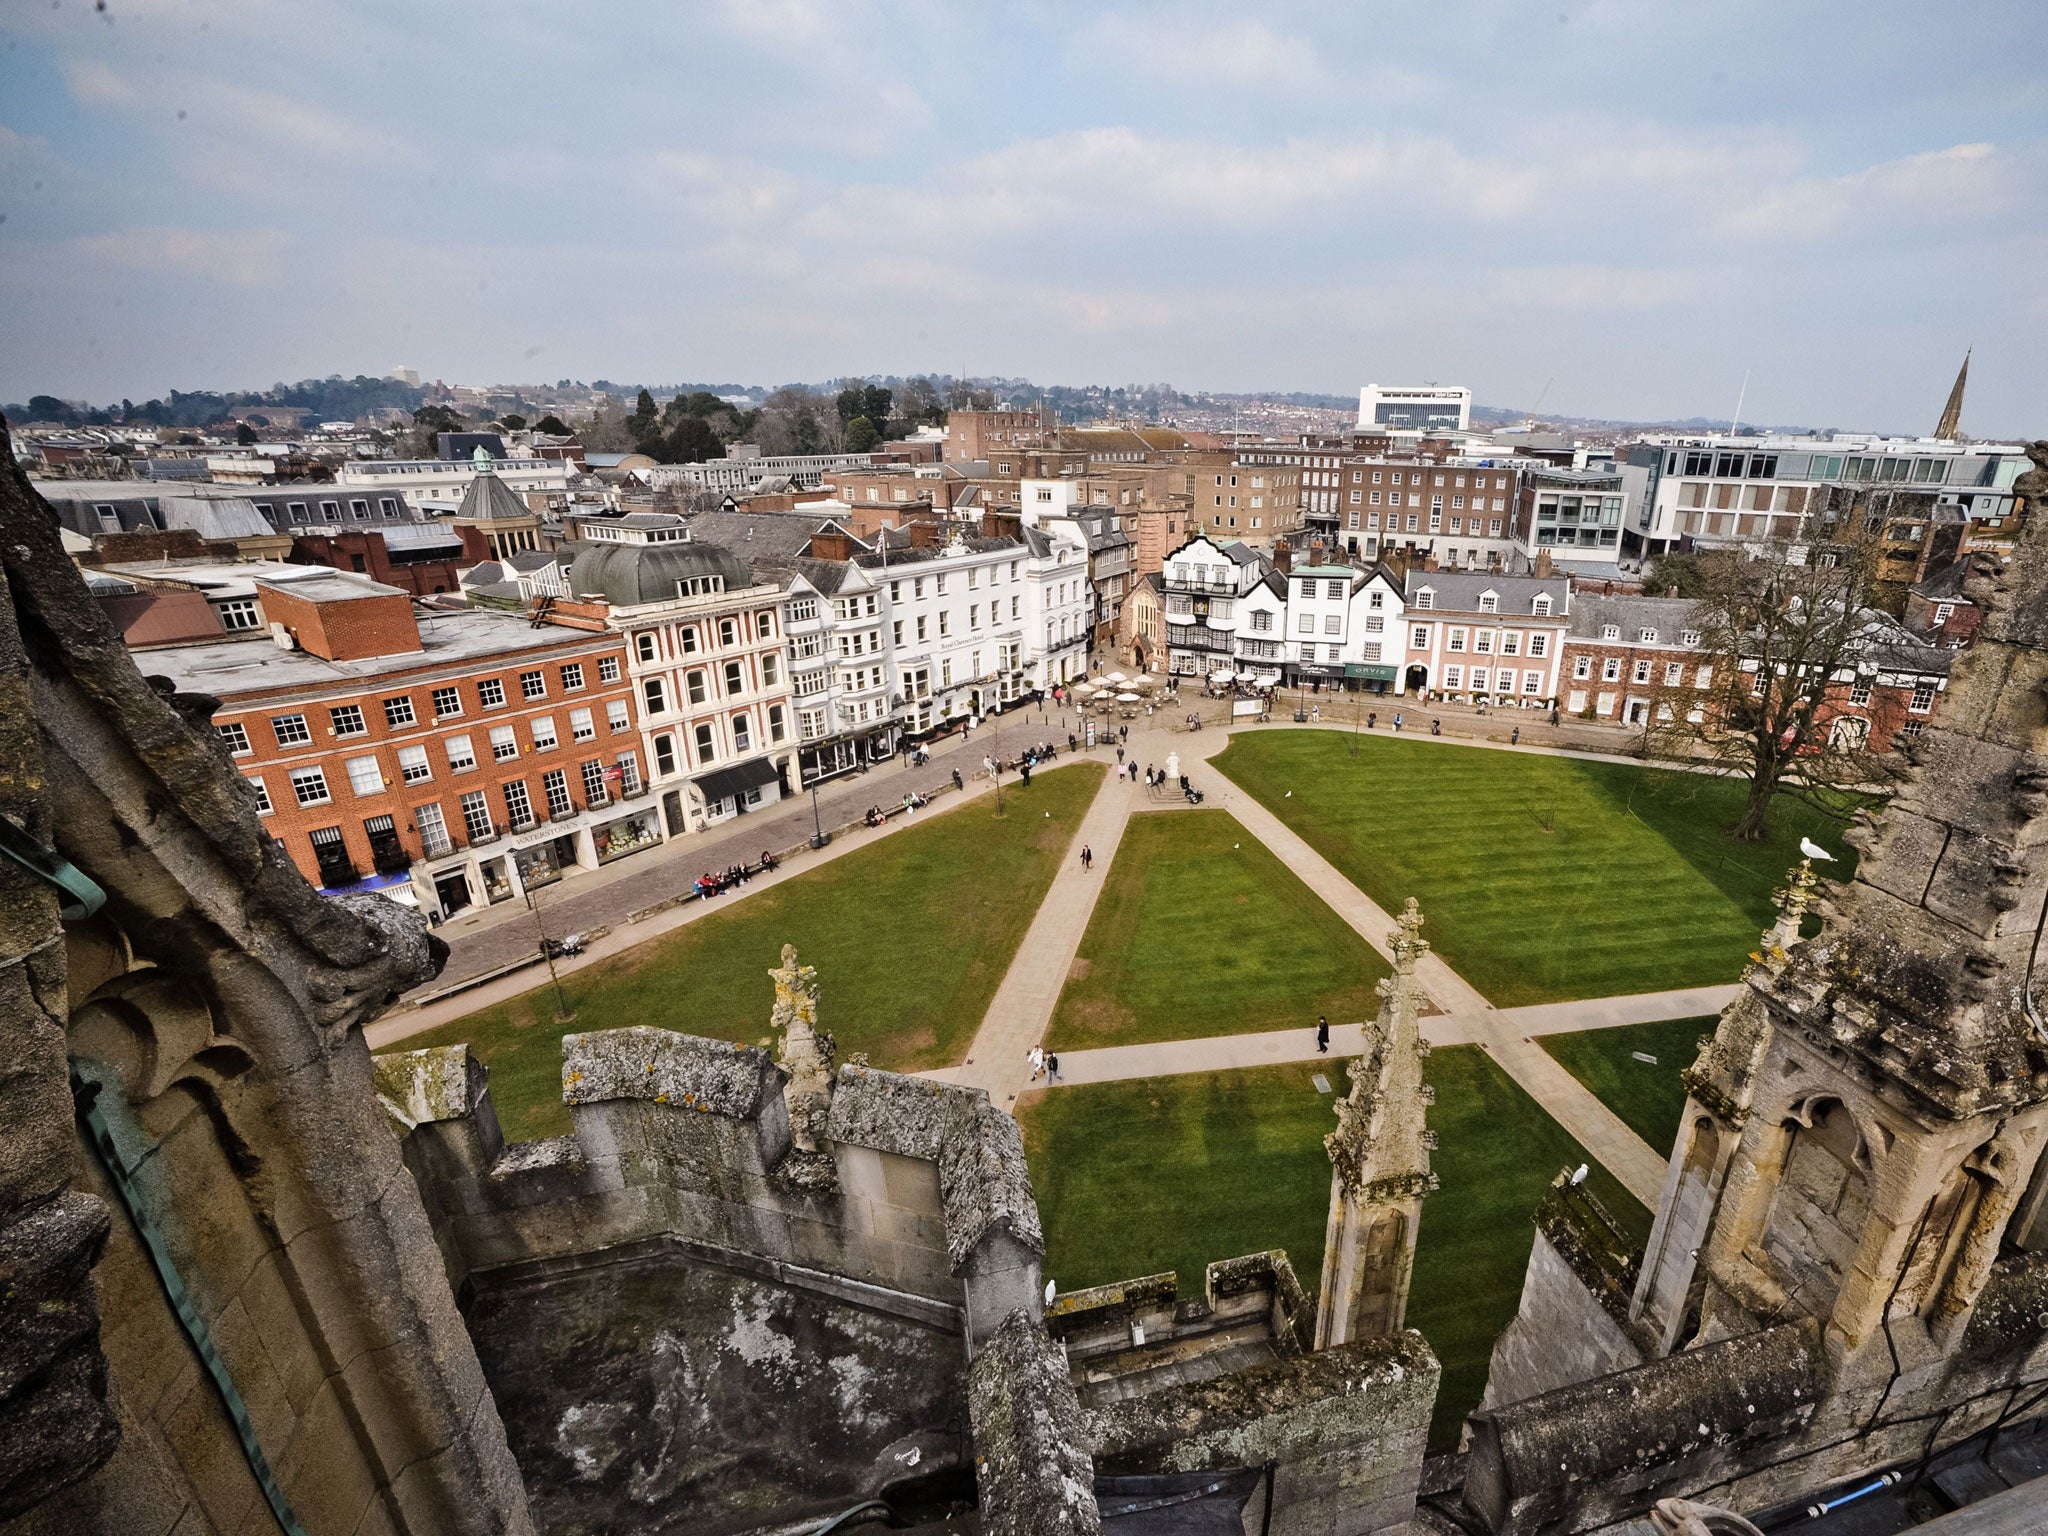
(1541, 605)
(1647, 636)
(1610, 631)
(1426, 598)
(1489, 602)
(1689, 637)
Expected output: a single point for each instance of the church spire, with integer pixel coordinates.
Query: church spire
(1952, 413)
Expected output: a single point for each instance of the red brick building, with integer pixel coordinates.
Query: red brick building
(1627, 657)
(449, 758)
(419, 558)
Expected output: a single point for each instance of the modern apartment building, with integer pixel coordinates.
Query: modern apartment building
(1720, 489)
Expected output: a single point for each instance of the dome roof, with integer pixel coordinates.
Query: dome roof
(629, 574)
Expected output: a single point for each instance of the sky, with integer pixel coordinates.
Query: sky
(1623, 207)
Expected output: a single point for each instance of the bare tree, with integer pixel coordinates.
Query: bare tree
(605, 431)
(1784, 624)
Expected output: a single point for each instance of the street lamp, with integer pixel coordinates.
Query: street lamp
(819, 836)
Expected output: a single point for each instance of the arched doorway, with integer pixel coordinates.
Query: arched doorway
(1417, 680)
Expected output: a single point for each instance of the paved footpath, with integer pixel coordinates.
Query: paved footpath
(1021, 1011)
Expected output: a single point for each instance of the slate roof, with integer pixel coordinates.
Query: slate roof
(532, 559)
(1631, 615)
(1459, 591)
(489, 500)
(216, 517)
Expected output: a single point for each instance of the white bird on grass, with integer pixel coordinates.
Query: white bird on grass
(1579, 1175)
(1813, 850)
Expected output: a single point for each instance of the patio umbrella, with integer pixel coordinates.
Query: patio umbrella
(1225, 676)
(1130, 698)
(1114, 677)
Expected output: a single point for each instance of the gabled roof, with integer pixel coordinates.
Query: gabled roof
(534, 559)
(1631, 615)
(1460, 591)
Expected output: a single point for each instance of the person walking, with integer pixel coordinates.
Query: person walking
(1036, 1057)
(1315, 714)
(1087, 858)
(1119, 759)
(1323, 1034)
(1515, 737)
(1052, 1067)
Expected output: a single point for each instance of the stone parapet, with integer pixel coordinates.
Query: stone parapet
(1345, 1427)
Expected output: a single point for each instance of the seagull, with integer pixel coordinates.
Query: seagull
(1579, 1176)
(1288, 796)
(1050, 1291)
(1813, 850)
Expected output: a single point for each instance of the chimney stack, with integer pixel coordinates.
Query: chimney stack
(1283, 557)
(831, 543)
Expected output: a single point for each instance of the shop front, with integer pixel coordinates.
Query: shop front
(733, 791)
(828, 759)
(542, 857)
(630, 832)
(1368, 678)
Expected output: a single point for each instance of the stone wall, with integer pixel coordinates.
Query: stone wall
(772, 1332)
(1561, 1334)
(923, 1201)
(1347, 1427)
(652, 1391)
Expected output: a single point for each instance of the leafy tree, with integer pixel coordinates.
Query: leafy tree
(553, 425)
(693, 441)
(244, 434)
(1676, 574)
(49, 408)
(513, 422)
(861, 435)
(645, 420)
(1783, 623)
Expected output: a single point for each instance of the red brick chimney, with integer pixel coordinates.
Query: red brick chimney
(831, 544)
(924, 534)
(1283, 557)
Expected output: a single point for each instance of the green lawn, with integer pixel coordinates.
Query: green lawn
(1172, 1172)
(1649, 1097)
(910, 935)
(1543, 878)
(1200, 930)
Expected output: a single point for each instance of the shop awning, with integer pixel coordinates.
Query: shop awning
(367, 883)
(1368, 674)
(727, 783)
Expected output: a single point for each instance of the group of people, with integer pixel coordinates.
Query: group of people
(735, 875)
(1043, 1064)
(875, 816)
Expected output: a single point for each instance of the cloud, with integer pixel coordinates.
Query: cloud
(1186, 52)
(95, 84)
(1960, 182)
(1589, 288)
(246, 257)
